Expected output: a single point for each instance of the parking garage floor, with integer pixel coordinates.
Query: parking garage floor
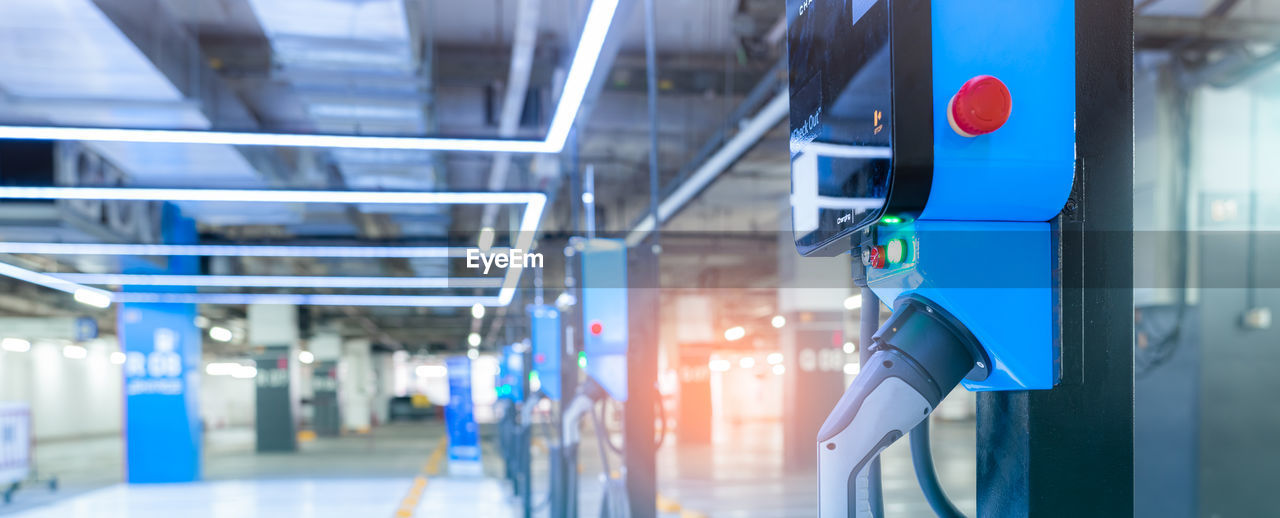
(397, 471)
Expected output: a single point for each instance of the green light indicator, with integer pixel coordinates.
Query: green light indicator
(896, 251)
(582, 360)
(891, 220)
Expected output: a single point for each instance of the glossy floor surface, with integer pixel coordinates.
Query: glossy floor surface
(389, 473)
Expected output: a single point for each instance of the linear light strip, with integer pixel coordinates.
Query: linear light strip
(269, 195)
(81, 292)
(279, 281)
(585, 58)
(534, 202)
(365, 252)
(306, 300)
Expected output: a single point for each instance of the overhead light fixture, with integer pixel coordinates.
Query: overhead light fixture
(582, 68)
(15, 345)
(734, 333)
(117, 358)
(306, 357)
(778, 321)
(75, 352)
(296, 299)
(200, 321)
(485, 242)
(357, 252)
(221, 334)
(473, 339)
(278, 281)
(774, 358)
(477, 311)
(82, 294)
(244, 372)
(534, 203)
(718, 365)
(853, 302)
(849, 347)
(473, 353)
(779, 369)
(747, 362)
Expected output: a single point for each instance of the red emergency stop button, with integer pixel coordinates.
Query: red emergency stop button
(981, 106)
(597, 328)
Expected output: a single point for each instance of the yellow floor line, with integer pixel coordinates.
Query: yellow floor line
(430, 468)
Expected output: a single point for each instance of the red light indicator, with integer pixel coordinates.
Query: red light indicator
(597, 328)
(539, 358)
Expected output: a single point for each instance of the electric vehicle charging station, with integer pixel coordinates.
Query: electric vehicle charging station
(935, 140)
(603, 307)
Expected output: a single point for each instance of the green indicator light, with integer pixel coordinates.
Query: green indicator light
(896, 251)
(582, 360)
(891, 220)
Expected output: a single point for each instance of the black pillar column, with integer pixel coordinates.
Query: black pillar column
(1069, 451)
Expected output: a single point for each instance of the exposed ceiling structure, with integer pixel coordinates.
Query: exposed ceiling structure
(423, 67)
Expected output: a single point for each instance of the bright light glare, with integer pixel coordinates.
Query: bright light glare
(778, 321)
(734, 333)
(473, 353)
(221, 368)
(477, 311)
(306, 357)
(244, 372)
(92, 297)
(747, 362)
(220, 334)
(594, 31)
(277, 281)
(588, 198)
(16, 345)
(117, 358)
(779, 369)
(431, 371)
(849, 347)
(719, 365)
(75, 352)
(473, 339)
(486, 239)
(853, 302)
(774, 358)
(851, 368)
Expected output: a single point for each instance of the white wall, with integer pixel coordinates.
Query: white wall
(69, 398)
(227, 402)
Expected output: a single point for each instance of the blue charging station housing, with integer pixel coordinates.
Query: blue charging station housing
(604, 313)
(544, 323)
(972, 212)
(509, 371)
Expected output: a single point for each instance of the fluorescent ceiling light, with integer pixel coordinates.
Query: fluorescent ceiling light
(306, 357)
(278, 281)
(75, 352)
(594, 32)
(370, 252)
(734, 333)
(473, 339)
(295, 299)
(16, 345)
(777, 321)
(83, 294)
(221, 334)
(534, 203)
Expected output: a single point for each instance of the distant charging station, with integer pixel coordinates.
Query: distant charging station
(604, 313)
(544, 322)
(460, 419)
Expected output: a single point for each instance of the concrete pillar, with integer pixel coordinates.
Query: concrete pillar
(355, 393)
(326, 417)
(273, 330)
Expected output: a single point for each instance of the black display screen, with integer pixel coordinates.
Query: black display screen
(841, 120)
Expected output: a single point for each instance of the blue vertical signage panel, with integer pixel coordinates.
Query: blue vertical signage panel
(162, 345)
(545, 323)
(509, 372)
(464, 437)
(604, 313)
(162, 378)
